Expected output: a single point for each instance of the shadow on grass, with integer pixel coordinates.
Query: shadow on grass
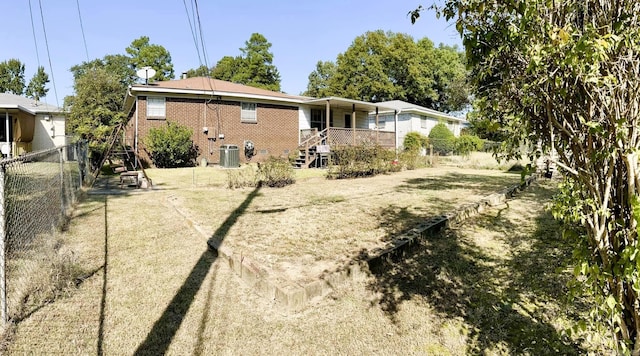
(507, 296)
(165, 328)
(453, 181)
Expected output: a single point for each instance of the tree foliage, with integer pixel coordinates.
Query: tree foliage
(415, 141)
(380, 66)
(202, 71)
(567, 74)
(12, 77)
(442, 139)
(143, 54)
(96, 108)
(37, 85)
(254, 67)
(171, 146)
(320, 80)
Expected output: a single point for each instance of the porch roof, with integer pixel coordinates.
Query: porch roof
(347, 104)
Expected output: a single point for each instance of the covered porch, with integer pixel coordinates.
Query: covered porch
(334, 122)
(343, 122)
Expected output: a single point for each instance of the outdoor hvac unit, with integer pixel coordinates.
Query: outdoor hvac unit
(229, 156)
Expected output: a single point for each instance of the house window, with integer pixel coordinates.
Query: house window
(156, 107)
(423, 122)
(318, 119)
(248, 112)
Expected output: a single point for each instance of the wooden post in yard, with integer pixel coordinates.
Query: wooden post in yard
(431, 155)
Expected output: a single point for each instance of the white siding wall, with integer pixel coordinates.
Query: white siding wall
(304, 118)
(48, 133)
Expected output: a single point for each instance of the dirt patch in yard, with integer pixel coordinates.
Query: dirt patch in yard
(316, 225)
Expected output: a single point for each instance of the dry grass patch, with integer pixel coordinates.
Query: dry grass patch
(302, 230)
(487, 287)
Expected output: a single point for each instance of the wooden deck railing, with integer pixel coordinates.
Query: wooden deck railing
(345, 137)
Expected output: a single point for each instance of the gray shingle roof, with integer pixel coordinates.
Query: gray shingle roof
(12, 101)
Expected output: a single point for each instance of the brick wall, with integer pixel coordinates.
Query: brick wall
(274, 134)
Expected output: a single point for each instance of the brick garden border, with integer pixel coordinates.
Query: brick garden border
(295, 296)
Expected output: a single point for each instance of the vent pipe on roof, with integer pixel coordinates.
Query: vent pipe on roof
(184, 75)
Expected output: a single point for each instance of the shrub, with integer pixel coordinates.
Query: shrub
(361, 161)
(414, 141)
(410, 159)
(442, 139)
(465, 144)
(240, 178)
(276, 172)
(171, 146)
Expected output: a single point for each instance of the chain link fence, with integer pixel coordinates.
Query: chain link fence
(37, 192)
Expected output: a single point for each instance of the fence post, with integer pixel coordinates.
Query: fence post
(62, 196)
(4, 316)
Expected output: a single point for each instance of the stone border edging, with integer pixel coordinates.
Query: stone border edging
(295, 296)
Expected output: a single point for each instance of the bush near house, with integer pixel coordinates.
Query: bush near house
(465, 144)
(361, 161)
(171, 146)
(442, 139)
(414, 141)
(276, 172)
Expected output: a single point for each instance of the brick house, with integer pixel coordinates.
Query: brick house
(221, 112)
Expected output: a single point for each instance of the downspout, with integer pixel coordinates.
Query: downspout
(396, 113)
(6, 122)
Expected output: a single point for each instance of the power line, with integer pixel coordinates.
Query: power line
(46, 41)
(33, 29)
(193, 34)
(204, 48)
(86, 50)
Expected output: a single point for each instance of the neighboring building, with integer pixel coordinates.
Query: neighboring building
(31, 126)
(221, 112)
(412, 118)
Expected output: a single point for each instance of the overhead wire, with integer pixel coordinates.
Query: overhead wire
(86, 50)
(46, 41)
(193, 33)
(33, 29)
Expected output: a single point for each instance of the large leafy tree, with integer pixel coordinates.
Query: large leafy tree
(381, 66)
(320, 80)
(12, 77)
(254, 67)
(95, 108)
(145, 54)
(567, 74)
(228, 68)
(202, 71)
(37, 85)
(258, 69)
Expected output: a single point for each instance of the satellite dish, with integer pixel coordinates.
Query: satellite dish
(146, 73)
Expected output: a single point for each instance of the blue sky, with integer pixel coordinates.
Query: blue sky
(302, 32)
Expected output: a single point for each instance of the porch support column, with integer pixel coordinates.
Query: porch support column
(353, 122)
(377, 128)
(327, 115)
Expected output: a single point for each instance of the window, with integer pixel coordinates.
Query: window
(248, 112)
(423, 122)
(318, 119)
(156, 108)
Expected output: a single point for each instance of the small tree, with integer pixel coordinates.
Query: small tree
(36, 88)
(414, 141)
(171, 146)
(465, 144)
(442, 139)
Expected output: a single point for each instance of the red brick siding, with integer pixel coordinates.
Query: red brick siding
(274, 133)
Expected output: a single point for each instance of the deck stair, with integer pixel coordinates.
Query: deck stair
(313, 151)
